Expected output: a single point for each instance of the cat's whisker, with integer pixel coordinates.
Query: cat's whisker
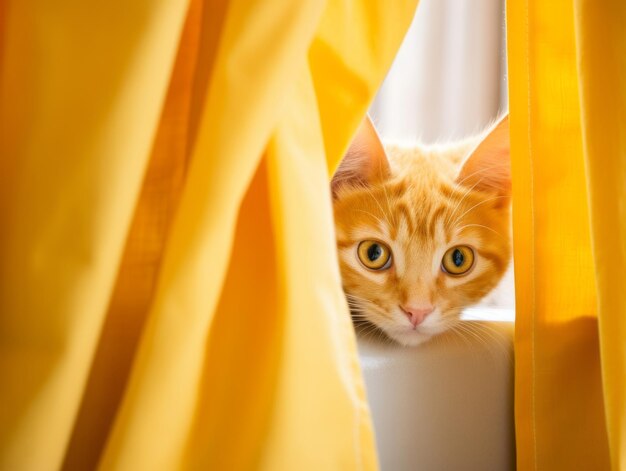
(478, 344)
(391, 212)
(481, 343)
(476, 205)
(375, 332)
(351, 298)
(498, 351)
(480, 225)
(371, 333)
(465, 194)
(488, 337)
(388, 339)
(362, 302)
(482, 170)
(449, 338)
(455, 329)
(356, 302)
(384, 213)
(493, 336)
(470, 189)
(355, 305)
(494, 331)
(378, 220)
(465, 327)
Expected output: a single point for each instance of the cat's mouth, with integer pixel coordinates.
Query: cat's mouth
(410, 335)
(395, 326)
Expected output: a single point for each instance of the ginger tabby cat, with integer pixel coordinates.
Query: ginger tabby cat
(422, 232)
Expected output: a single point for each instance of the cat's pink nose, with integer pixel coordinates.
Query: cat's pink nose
(417, 314)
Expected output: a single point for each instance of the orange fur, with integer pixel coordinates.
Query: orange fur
(421, 201)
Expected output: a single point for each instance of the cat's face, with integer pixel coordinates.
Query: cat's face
(424, 237)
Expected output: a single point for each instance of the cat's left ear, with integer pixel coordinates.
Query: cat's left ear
(365, 162)
(488, 168)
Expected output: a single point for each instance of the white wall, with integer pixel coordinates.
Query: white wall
(449, 77)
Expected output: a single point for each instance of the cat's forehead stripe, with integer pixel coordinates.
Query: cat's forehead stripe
(447, 191)
(404, 211)
(453, 194)
(434, 220)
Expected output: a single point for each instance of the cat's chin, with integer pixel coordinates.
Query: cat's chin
(408, 337)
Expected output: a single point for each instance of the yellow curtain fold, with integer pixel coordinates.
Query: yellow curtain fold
(567, 103)
(79, 102)
(601, 54)
(169, 294)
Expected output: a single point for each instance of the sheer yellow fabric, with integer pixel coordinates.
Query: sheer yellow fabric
(563, 87)
(169, 294)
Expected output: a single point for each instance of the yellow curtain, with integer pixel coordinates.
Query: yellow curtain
(169, 294)
(567, 86)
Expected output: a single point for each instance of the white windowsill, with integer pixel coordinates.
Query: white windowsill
(494, 314)
(446, 404)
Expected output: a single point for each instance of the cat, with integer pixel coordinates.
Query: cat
(422, 232)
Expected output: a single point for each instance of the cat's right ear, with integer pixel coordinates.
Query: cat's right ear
(364, 163)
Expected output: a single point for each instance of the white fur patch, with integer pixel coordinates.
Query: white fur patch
(398, 261)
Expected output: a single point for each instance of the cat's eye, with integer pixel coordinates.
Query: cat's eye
(458, 260)
(374, 255)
